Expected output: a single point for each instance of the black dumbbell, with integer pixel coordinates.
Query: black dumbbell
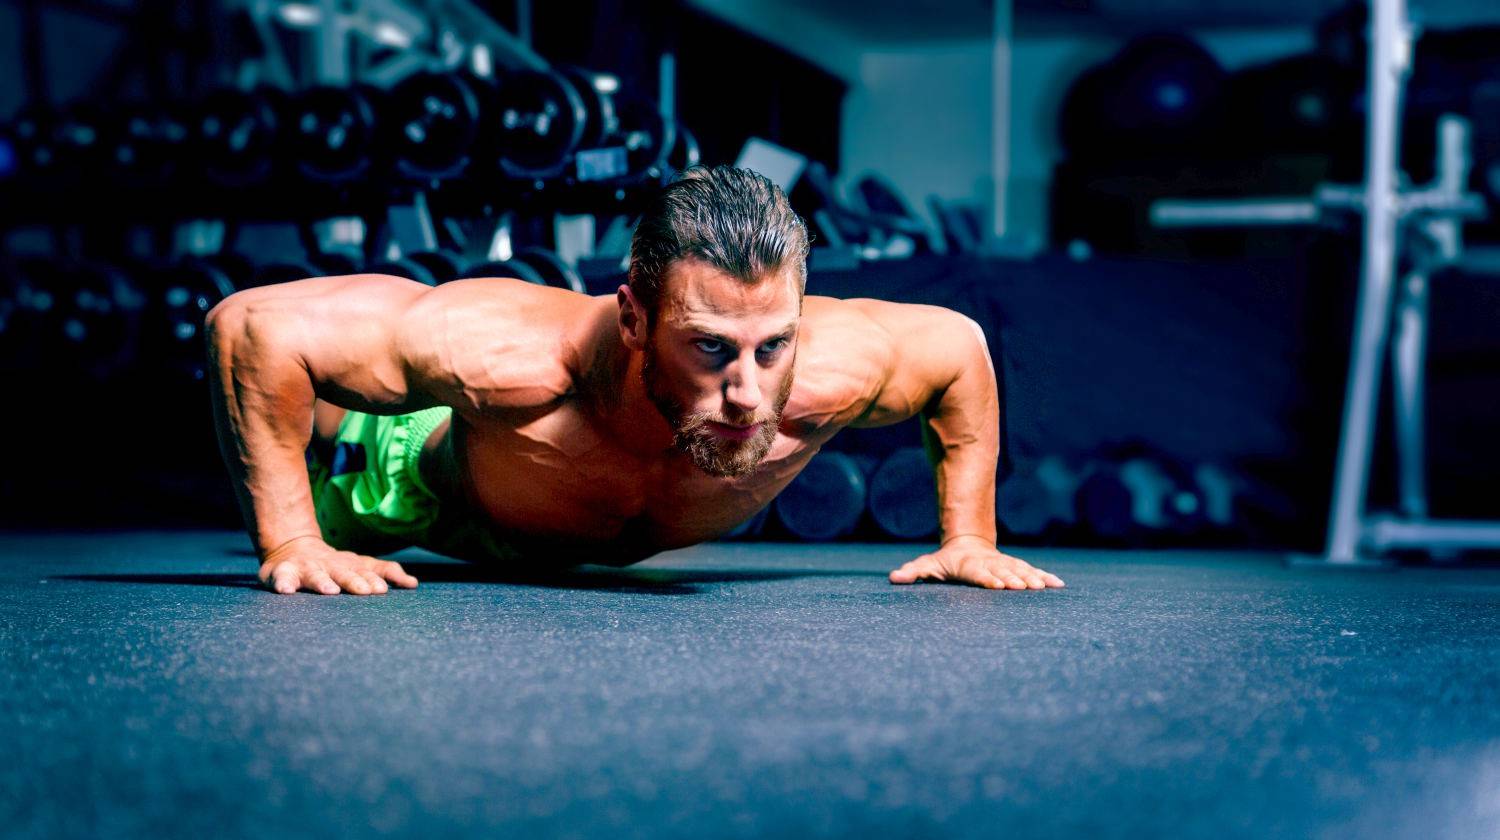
(27, 301)
(333, 132)
(514, 269)
(54, 150)
(430, 268)
(646, 136)
(534, 265)
(433, 123)
(903, 495)
(82, 317)
(325, 264)
(553, 270)
(825, 501)
(187, 290)
(1038, 497)
(597, 92)
(684, 153)
(542, 119)
(144, 145)
(240, 136)
(1137, 499)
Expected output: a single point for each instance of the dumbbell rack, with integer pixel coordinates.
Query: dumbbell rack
(1424, 225)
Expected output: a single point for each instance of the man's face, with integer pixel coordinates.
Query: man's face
(719, 362)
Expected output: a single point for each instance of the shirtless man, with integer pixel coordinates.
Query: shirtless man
(495, 420)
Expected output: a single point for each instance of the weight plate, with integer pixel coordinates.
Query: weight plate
(514, 269)
(541, 122)
(551, 267)
(238, 133)
(435, 121)
(333, 133)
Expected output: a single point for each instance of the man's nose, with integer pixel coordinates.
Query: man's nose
(742, 388)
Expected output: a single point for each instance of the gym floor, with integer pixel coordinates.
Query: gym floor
(149, 688)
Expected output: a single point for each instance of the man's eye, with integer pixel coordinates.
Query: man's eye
(709, 346)
(773, 345)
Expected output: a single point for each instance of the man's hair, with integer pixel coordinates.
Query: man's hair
(733, 219)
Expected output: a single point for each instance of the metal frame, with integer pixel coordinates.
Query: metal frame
(1426, 226)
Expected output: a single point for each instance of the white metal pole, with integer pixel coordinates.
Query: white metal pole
(1390, 49)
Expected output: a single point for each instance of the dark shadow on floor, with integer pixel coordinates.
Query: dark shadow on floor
(239, 581)
(634, 581)
(604, 577)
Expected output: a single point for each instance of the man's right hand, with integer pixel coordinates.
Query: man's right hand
(310, 563)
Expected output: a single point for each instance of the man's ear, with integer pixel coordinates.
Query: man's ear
(633, 325)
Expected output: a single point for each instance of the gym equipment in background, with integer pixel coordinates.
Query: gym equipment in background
(825, 500)
(903, 495)
(1415, 230)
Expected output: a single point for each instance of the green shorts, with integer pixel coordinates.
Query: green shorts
(371, 498)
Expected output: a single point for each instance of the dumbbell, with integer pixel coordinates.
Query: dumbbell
(684, 153)
(1037, 497)
(1137, 498)
(526, 124)
(434, 122)
(544, 118)
(534, 265)
(26, 301)
(903, 495)
(825, 500)
(176, 307)
(143, 145)
(430, 268)
(53, 150)
(327, 264)
(648, 138)
(333, 133)
(240, 136)
(82, 317)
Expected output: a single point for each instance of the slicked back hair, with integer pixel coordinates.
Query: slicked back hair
(732, 219)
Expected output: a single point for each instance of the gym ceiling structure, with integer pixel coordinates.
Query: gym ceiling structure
(1235, 263)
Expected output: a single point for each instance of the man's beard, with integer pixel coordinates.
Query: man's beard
(712, 453)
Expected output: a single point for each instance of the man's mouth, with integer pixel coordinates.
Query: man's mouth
(734, 432)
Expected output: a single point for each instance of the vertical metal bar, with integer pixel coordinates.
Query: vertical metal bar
(1000, 117)
(331, 45)
(1408, 355)
(523, 21)
(1389, 54)
(666, 78)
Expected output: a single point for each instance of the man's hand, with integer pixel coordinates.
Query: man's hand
(975, 561)
(311, 564)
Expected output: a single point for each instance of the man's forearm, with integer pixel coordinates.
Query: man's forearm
(962, 431)
(263, 406)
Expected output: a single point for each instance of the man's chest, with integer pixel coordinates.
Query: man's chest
(560, 475)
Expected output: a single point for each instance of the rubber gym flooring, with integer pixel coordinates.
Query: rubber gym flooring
(149, 689)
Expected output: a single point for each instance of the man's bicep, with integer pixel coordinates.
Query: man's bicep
(336, 329)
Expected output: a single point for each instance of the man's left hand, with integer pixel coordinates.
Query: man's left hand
(975, 561)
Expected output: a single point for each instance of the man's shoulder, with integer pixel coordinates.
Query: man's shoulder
(843, 357)
(503, 341)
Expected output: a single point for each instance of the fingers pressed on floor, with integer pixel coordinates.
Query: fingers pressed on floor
(393, 572)
(319, 581)
(285, 579)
